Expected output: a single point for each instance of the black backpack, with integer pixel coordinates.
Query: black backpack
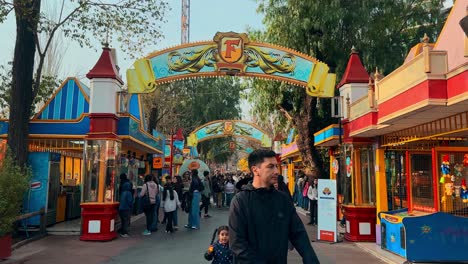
(215, 183)
(202, 186)
(186, 202)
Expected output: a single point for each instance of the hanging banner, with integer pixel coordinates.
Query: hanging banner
(326, 210)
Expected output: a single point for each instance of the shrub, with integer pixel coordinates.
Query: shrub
(14, 182)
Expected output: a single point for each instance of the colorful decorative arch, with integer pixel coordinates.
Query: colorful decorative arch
(232, 128)
(231, 54)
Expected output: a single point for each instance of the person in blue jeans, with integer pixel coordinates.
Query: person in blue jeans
(126, 204)
(157, 205)
(178, 187)
(196, 187)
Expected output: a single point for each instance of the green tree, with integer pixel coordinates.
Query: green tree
(134, 24)
(191, 103)
(383, 30)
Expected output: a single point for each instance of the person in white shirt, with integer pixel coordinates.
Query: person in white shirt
(312, 194)
(229, 190)
(170, 202)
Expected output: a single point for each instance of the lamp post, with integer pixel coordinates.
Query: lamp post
(172, 152)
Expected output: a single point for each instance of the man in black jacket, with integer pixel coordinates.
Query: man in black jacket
(261, 219)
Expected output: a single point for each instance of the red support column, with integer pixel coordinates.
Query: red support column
(172, 152)
(408, 182)
(435, 181)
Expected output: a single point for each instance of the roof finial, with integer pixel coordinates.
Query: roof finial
(106, 43)
(353, 50)
(377, 75)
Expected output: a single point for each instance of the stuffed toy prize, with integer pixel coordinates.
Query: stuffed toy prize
(458, 170)
(445, 167)
(464, 191)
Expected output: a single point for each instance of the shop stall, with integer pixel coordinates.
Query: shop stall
(77, 155)
(56, 135)
(437, 183)
(352, 159)
(417, 119)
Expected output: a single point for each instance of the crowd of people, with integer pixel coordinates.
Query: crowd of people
(306, 194)
(263, 223)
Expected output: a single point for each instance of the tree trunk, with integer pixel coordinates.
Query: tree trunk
(27, 14)
(305, 126)
(153, 119)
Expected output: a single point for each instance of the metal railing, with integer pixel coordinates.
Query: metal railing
(42, 227)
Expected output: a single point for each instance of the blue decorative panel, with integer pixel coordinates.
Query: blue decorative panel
(53, 128)
(326, 134)
(129, 127)
(68, 103)
(134, 106)
(438, 237)
(56, 128)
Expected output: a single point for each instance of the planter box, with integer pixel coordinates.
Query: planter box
(5, 247)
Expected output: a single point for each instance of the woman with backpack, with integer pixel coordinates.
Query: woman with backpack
(148, 194)
(154, 225)
(196, 187)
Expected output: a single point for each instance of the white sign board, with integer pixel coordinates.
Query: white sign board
(327, 210)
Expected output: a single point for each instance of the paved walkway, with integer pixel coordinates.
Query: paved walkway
(185, 246)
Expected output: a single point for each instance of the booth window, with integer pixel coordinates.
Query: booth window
(421, 187)
(367, 176)
(396, 179)
(100, 176)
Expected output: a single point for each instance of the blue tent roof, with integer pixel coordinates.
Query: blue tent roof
(69, 102)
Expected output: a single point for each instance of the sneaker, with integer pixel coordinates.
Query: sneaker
(146, 233)
(187, 226)
(124, 235)
(194, 227)
(207, 216)
(175, 227)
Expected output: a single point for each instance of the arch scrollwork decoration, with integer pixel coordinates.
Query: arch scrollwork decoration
(229, 128)
(232, 54)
